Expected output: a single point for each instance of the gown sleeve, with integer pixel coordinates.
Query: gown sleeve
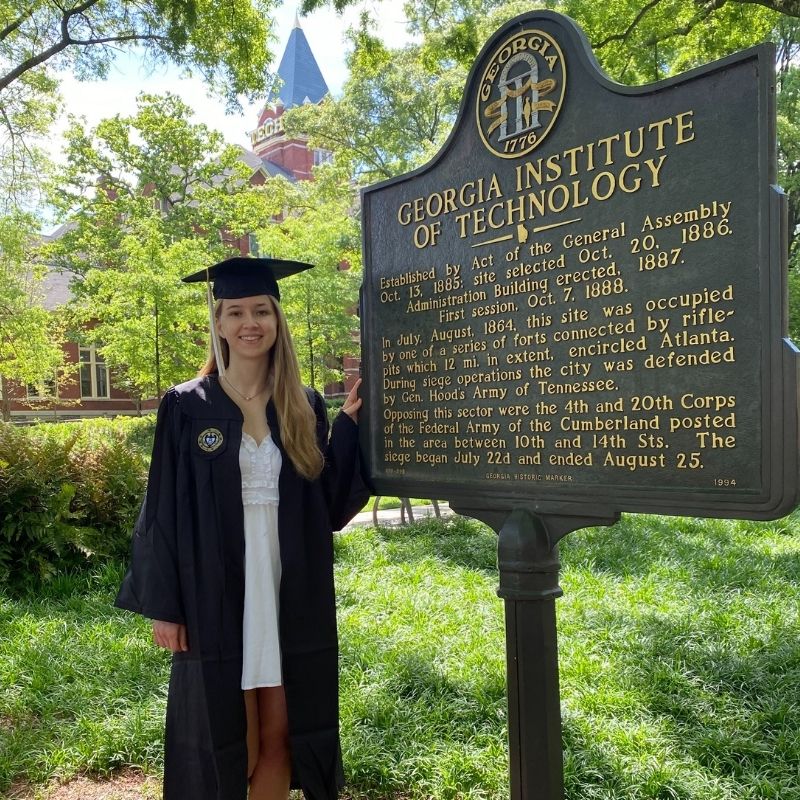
(342, 476)
(151, 586)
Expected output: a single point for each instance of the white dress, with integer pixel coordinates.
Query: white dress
(260, 466)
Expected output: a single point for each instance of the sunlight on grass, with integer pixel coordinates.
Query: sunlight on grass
(679, 657)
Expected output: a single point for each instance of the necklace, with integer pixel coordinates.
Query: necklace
(242, 394)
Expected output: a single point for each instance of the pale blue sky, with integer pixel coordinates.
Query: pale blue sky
(324, 29)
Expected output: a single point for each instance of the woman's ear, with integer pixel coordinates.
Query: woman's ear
(217, 325)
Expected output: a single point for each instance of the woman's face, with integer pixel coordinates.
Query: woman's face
(249, 325)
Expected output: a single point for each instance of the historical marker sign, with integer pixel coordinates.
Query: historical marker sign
(581, 300)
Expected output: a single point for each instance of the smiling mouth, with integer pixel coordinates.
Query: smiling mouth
(250, 338)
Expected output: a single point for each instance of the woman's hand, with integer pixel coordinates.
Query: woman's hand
(170, 635)
(353, 402)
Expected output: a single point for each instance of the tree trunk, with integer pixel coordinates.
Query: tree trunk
(5, 400)
(158, 357)
(310, 340)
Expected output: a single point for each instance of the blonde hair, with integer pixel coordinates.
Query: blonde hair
(296, 418)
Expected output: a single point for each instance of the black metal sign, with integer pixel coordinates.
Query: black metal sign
(581, 300)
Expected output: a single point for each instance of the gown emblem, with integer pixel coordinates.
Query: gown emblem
(210, 439)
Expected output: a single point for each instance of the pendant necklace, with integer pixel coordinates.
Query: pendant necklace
(244, 397)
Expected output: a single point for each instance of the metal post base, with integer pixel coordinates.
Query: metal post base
(529, 585)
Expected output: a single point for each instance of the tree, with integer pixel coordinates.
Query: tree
(318, 224)
(30, 336)
(226, 43)
(399, 104)
(148, 199)
(788, 102)
(702, 10)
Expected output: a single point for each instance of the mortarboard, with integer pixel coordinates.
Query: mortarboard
(238, 277)
(246, 277)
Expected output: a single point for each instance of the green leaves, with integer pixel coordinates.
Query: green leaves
(228, 44)
(170, 193)
(30, 336)
(318, 225)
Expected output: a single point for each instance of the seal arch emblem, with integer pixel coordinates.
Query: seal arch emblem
(520, 93)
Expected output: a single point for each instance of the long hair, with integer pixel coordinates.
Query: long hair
(295, 415)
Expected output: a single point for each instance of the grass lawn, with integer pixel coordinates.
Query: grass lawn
(679, 652)
(387, 502)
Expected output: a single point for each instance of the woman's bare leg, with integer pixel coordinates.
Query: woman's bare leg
(251, 707)
(272, 773)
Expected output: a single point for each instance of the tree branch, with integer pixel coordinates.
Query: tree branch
(130, 37)
(32, 62)
(12, 26)
(618, 37)
(707, 9)
(791, 8)
(66, 40)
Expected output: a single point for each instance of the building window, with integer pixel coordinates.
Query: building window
(252, 245)
(322, 157)
(46, 390)
(94, 373)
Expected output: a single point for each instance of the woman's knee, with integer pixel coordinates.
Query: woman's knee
(273, 749)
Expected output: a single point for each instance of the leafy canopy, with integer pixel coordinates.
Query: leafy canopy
(30, 336)
(317, 223)
(226, 43)
(147, 199)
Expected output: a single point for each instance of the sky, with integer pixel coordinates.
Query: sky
(324, 29)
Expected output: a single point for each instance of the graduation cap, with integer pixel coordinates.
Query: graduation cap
(246, 277)
(239, 277)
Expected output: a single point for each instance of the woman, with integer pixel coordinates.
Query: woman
(233, 556)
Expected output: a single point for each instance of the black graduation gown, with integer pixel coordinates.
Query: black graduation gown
(187, 566)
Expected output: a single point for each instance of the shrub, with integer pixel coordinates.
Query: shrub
(333, 405)
(38, 529)
(111, 479)
(69, 494)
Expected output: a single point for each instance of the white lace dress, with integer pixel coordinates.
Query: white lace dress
(260, 466)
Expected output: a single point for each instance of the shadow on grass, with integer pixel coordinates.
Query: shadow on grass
(414, 731)
(702, 685)
(459, 541)
(708, 554)
(730, 696)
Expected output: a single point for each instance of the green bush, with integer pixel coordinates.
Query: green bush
(38, 529)
(794, 303)
(333, 405)
(111, 480)
(69, 494)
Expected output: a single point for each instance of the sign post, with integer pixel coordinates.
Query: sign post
(578, 308)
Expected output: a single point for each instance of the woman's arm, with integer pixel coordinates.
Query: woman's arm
(342, 478)
(151, 586)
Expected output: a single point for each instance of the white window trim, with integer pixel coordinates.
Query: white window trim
(42, 394)
(93, 364)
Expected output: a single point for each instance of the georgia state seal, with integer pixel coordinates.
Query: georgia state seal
(520, 93)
